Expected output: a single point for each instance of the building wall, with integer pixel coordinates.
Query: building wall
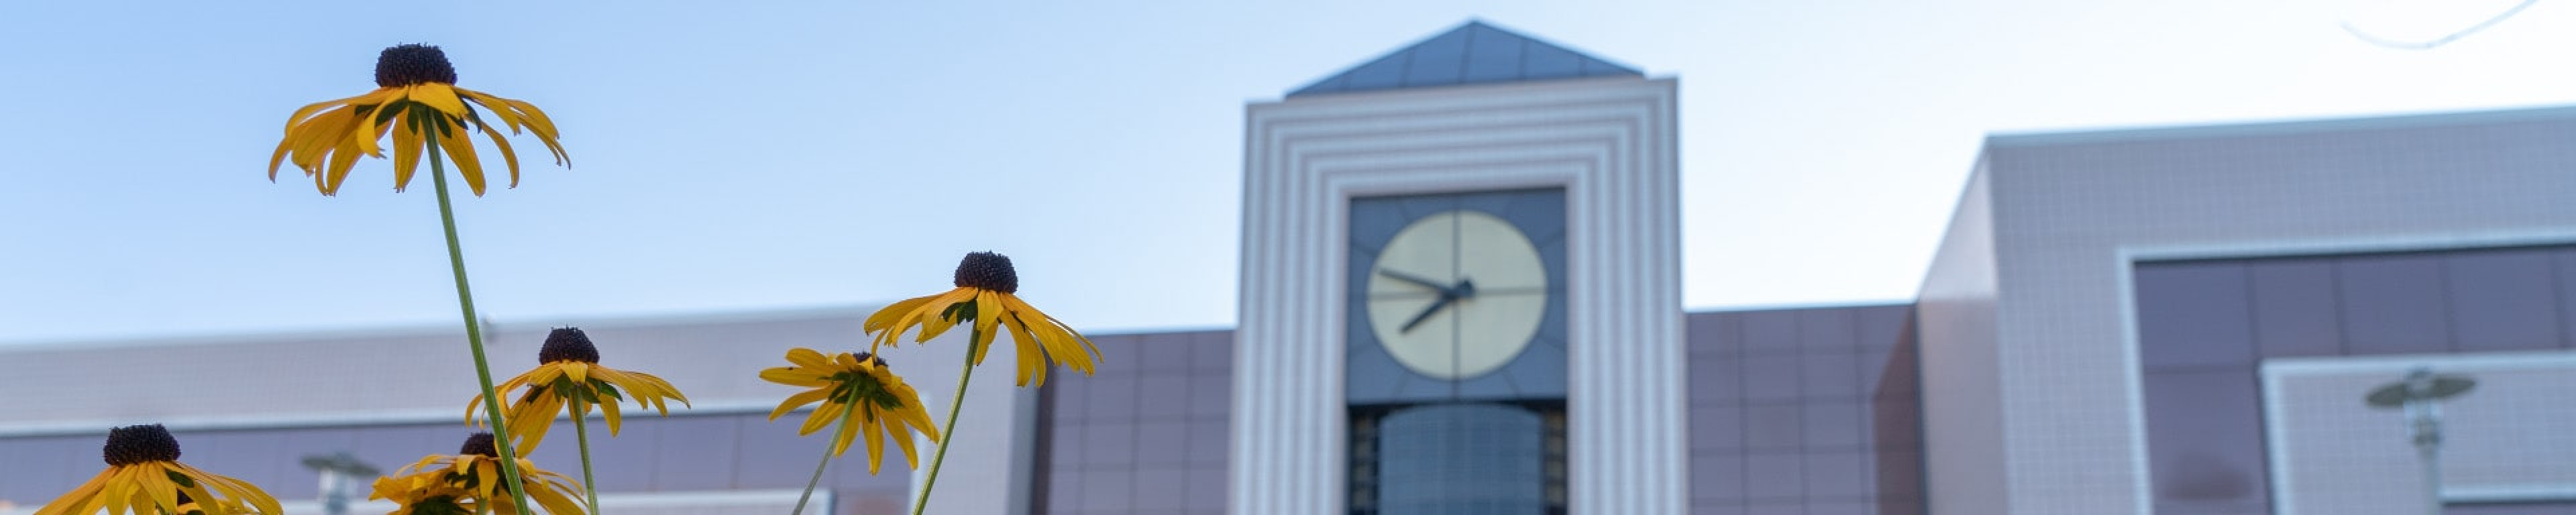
(1814, 411)
(2207, 327)
(2072, 211)
(1962, 393)
(1146, 435)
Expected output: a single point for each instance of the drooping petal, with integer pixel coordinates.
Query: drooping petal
(887, 317)
(798, 400)
(1019, 329)
(870, 428)
(822, 416)
(438, 95)
(80, 498)
(545, 129)
(407, 147)
(499, 108)
(462, 150)
(808, 358)
(988, 314)
(902, 439)
(157, 487)
(507, 155)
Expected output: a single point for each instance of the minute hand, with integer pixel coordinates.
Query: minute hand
(1416, 279)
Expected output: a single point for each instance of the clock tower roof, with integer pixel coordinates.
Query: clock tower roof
(1473, 53)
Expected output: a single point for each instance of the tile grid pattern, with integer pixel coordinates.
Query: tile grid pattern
(2205, 325)
(1146, 434)
(1813, 410)
(2071, 211)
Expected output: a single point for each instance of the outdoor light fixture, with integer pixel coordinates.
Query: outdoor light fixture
(2421, 394)
(339, 470)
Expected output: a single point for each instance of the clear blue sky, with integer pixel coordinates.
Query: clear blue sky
(837, 153)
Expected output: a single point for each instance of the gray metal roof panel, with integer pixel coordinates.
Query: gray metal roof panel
(1473, 53)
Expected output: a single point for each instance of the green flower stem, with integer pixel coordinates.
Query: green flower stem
(850, 416)
(474, 332)
(948, 431)
(581, 433)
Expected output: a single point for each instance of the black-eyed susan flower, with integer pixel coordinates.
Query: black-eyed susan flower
(859, 392)
(986, 297)
(417, 101)
(568, 376)
(144, 476)
(475, 471)
(416, 497)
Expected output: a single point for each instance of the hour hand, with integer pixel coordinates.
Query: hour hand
(1444, 301)
(1415, 279)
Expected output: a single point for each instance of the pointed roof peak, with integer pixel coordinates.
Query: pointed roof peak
(1475, 52)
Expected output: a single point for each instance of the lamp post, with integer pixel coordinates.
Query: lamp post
(2421, 394)
(338, 471)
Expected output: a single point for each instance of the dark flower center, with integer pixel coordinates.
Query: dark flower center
(988, 271)
(567, 344)
(405, 65)
(865, 357)
(147, 443)
(479, 444)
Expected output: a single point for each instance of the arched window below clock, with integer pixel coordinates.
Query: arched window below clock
(1458, 458)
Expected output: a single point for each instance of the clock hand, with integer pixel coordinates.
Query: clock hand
(1415, 279)
(1445, 298)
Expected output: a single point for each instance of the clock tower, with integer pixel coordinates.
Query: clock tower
(1461, 288)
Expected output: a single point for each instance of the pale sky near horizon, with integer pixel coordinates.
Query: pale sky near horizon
(787, 155)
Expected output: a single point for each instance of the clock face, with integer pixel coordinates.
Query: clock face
(1457, 294)
(1456, 297)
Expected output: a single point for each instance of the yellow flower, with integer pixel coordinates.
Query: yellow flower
(189, 506)
(144, 476)
(475, 473)
(417, 100)
(854, 381)
(412, 496)
(984, 296)
(568, 375)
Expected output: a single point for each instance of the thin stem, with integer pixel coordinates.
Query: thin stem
(581, 432)
(474, 333)
(948, 431)
(849, 416)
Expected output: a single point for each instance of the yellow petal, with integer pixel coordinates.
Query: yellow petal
(886, 317)
(407, 146)
(988, 313)
(507, 155)
(902, 439)
(462, 149)
(868, 427)
(495, 105)
(157, 487)
(438, 95)
(799, 399)
(808, 358)
(823, 416)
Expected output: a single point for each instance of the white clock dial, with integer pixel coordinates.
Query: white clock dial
(1457, 294)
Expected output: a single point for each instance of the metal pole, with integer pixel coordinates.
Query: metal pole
(2428, 449)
